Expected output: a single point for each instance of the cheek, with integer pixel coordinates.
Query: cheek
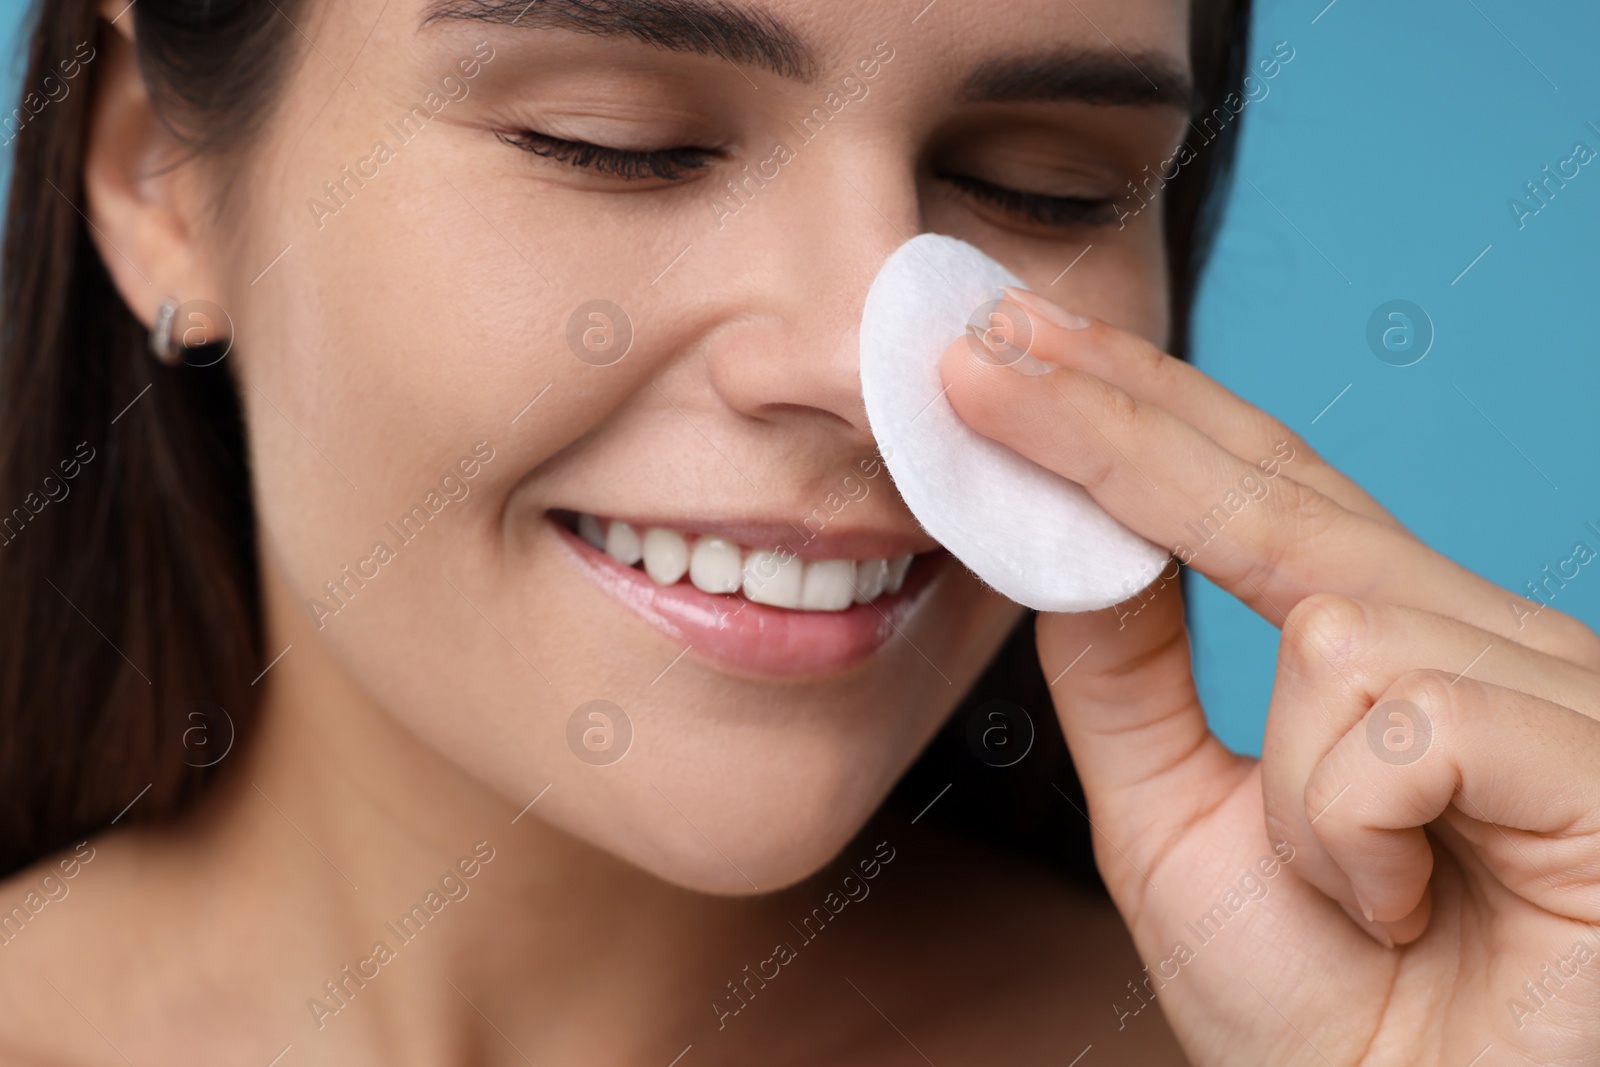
(423, 317)
(375, 355)
(418, 316)
(1127, 284)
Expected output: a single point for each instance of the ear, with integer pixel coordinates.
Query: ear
(140, 201)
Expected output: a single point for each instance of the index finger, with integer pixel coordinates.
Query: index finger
(1268, 540)
(1133, 364)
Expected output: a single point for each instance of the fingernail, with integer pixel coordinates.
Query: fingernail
(1376, 930)
(1022, 363)
(1052, 313)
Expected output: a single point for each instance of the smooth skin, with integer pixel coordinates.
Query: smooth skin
(1434, 870)
(374, 347)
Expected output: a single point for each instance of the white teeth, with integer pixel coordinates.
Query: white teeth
(897, 572)
(622, 543)
(589, 529)
(716, 566)
(666, 555)
(870, 576)
(827, 585)
(896, 576)
(773, 579)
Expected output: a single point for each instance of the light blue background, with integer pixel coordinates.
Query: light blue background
(1390, 146)
(1378, 167)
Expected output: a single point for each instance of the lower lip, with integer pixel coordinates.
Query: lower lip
(755, 638)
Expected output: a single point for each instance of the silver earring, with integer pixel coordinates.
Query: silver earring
(161, 334)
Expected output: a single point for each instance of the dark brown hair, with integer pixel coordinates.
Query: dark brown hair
(135, 593)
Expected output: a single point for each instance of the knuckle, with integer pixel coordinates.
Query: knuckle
(1308, 512)
(1154, 365)
(1295, 519)
(1262, 571)
(1094, 470)
(1118, 408)
(1326, 628)
(1430, 689)
(1571, 640)
(1112, 412)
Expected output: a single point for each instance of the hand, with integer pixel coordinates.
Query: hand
(1411, 873)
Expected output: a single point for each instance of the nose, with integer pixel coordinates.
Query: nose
(808, 244)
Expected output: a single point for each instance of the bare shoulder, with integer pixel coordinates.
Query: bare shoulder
(101, 957)
(43, 920)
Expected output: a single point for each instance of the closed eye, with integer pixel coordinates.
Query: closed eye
(668, 164)
(676, 164)
(1039, 208)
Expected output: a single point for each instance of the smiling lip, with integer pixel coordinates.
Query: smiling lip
(754, 638)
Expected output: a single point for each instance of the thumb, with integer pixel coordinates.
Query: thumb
(1150, 767)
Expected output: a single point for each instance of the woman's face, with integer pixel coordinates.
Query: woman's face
(457, 332)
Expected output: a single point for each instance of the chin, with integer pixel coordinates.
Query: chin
(756, 828)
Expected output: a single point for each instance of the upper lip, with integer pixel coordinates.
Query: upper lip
(838, 539)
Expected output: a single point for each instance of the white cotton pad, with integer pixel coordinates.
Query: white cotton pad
(1034, 536)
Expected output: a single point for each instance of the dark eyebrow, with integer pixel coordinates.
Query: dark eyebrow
(1147, 79)
(699, 27)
